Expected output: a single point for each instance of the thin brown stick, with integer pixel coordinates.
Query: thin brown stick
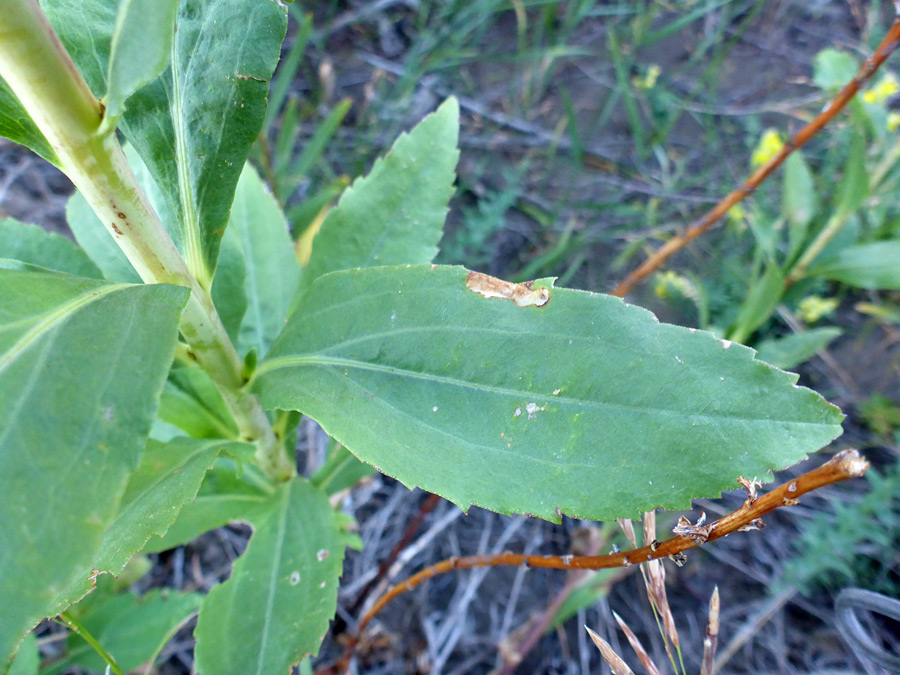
(866, 71)
(427, 507)
(845, 464)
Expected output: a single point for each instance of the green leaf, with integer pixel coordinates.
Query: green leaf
(228, 290)
(799, 201)
(874, 266)
(169, 475)
(272, 274)
(133, 629)
(223, 498)
(17, 125)
(192, 402)
(792, 350)
(855, 183)
(82, 364)
(207, 108)
(314, 147)
(340, 471)
(28, 658)
(140, 51)
(282, 592)
(585, 406)
(396, 213)
(833, 69)
(36, 246)
(762, 299)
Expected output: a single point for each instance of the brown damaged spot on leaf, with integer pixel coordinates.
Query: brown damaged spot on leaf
(521, 294)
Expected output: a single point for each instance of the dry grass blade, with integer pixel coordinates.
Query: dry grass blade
(638, 648)
(618, 666)
(712, 635)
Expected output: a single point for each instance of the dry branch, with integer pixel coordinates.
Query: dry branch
(845, 464)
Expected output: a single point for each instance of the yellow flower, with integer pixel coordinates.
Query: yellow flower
(648, 81)
(770, 144)
(887, 86)
(669, 283)
(813, 307)
(893, 121)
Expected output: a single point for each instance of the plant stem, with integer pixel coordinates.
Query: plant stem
(72, 624)
(42, 75)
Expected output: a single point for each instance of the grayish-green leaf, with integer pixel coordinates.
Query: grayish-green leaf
(282, 592)
(228, 292)
(874, 266)
(169, 475)
(585, 406)
(792, 350)
(762, 299)
(224, 497)
(82, 364)
(205, 110)
(799, 200)
(36, 246)
(132, 628)
(395, 214)
(258, 230)
(340, 471)
(140, 50)
(855, 182)
(833, 69)
(17, 125)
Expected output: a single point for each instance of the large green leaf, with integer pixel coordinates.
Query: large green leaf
(396, 213)
(36, 246)
(282, 592)
(17, 125)
(205, 111)
(82, 364)
(271, 274)
(585, 405)
(169, 475)
(875, 266)
(140, 50)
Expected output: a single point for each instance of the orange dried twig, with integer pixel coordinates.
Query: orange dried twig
(845, 464)
(868, 68)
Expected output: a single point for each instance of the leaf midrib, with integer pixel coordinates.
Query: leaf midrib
(52, 319)
(318, 360)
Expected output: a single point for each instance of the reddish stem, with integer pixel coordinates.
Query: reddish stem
(845, 464)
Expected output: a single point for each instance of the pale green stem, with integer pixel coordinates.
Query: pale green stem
(837, 221)
(72, 624)
(832, 227)
(47, 83)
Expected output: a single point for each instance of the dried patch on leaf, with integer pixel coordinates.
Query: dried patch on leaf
(521, 294)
